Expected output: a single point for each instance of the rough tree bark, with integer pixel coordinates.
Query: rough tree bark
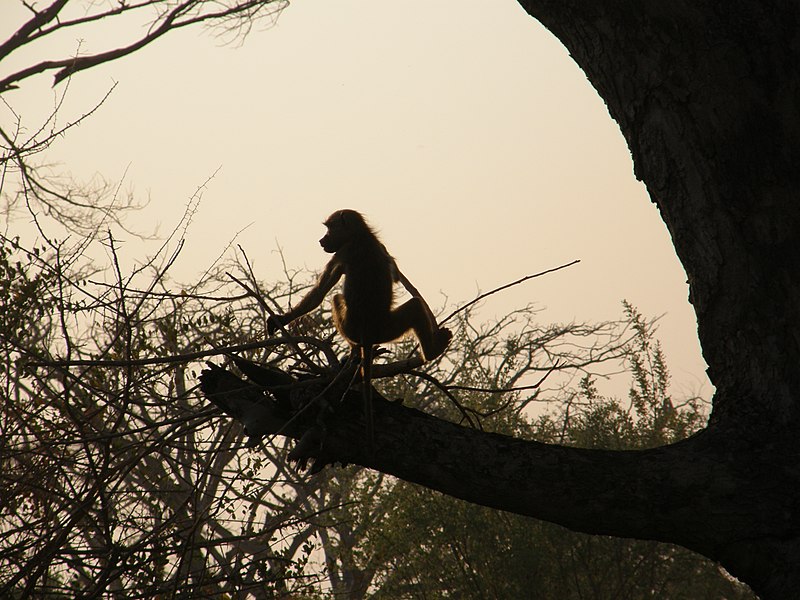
(707, 95)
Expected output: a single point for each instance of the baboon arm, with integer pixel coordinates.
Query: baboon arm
(399, 277)
(330, 275)
(402, 279)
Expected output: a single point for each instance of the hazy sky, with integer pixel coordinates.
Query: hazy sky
(462, 130)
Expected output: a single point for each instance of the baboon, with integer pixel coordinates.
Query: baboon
(364, 313)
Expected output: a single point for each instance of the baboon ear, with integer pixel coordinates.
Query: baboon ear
(347, 222)
(353, 220)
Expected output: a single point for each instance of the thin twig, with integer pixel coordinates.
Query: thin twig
(443, 388)
(504, 287)
(290, 339)
(534, 386)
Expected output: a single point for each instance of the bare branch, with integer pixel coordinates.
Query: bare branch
(39, 20)
(505, 287)
(173, 17)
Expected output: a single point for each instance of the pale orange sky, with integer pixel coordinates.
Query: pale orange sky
(463, 131)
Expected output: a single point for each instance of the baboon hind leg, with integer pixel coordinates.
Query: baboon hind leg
(415, 315)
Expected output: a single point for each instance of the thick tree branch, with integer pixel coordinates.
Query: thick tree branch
(39, 20)
(676, 494)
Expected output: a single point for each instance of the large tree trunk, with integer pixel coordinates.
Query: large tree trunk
(707, 95)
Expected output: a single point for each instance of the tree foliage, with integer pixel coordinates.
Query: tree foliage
(112, 480)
